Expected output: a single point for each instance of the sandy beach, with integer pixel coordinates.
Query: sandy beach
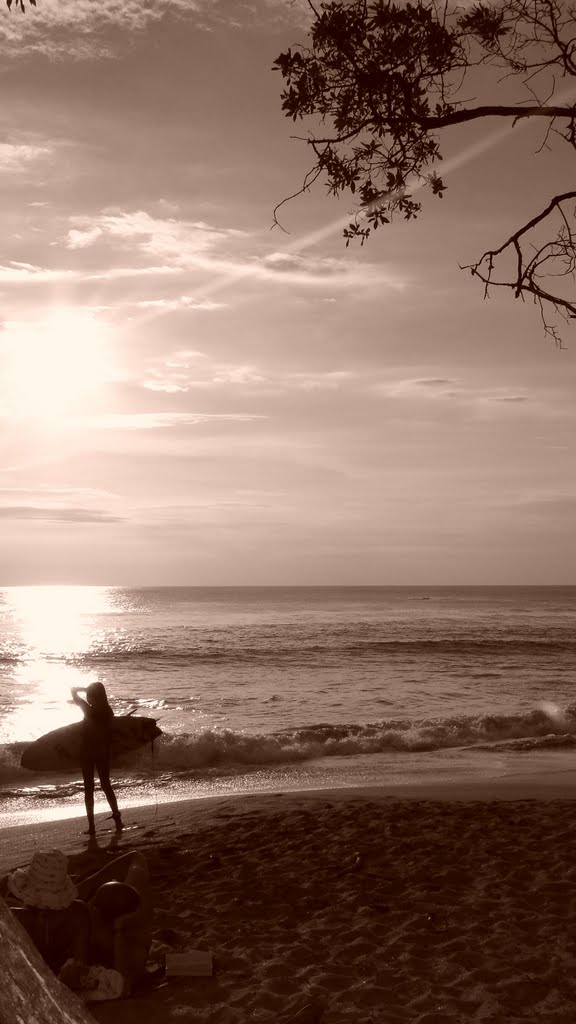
(427, 905)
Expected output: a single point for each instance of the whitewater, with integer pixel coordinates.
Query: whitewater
(289, 688)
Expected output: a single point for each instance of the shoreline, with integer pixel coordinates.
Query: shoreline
(19, 840)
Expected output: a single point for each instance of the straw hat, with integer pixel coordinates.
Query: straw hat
(46, 883)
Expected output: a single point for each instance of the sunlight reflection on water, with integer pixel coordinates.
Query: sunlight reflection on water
(57, 621)
(52, 624)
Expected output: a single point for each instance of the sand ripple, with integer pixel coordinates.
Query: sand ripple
(364, 912)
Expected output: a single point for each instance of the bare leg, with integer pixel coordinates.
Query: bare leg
(88, 779)
(103, 767)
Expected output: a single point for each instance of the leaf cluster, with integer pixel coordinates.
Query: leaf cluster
(20, 5)
(487, 23)
(383, 81)
(375, 75)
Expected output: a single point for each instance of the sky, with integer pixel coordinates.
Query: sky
(190, 397)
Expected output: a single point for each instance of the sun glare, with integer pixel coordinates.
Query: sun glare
(57, 621)
(54, 367)
(55, 626)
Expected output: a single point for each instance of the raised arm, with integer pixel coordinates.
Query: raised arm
(78, 700)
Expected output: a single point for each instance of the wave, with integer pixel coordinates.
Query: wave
(221, 751)
(333, 648)
(548, 742)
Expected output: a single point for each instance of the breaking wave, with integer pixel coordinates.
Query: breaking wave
(213, 751)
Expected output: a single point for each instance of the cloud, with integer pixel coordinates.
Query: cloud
(26, 273)
(181, 302)
(295, 11)
(48, 493)
(419, 387)
(117, 273)
(562, 506)
(500, 396)
(81, 239)
(541, 504)
(58, 515)
(179, 242)
(449, 389)
(16, 157)
(509, 398)
(89, 29)
(329, 380)
(297, 268)
(187, 369)
(156, 420)
(80, 29)
(187, 245)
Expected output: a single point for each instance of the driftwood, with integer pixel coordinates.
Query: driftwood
(29, 991)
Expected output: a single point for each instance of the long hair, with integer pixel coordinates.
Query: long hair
(96, 696)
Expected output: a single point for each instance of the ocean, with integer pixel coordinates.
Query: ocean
(279, 688)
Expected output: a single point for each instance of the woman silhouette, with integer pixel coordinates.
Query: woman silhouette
(95, 748)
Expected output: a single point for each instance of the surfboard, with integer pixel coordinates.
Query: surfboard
(59, 750)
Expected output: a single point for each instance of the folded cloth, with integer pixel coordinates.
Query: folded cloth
(94, 984)
(104, 983)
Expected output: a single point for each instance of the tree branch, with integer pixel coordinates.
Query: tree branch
(384, 78)
(455, 117)
(530, 270)
(460, 116)
(555, 202)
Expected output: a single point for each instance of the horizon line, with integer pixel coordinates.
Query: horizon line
(290, 586)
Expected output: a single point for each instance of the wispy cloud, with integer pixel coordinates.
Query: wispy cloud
(327, 380)
(18, 156)
(186, 370)
(294, 11)
(449, 389)
(27, 273)
(44, 493)
(299, 268)
(177, 241)
(180, 302)
(58, 515)
(418, 387)
(509, 398)
(89, 29)
(80, 30)
(432, 382)
(156, 420)
(231, 254)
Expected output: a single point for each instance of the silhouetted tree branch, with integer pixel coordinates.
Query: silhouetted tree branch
(385, 81)
(531, 264)
(20, 4)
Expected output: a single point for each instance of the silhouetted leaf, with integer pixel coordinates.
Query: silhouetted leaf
(383, 79)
